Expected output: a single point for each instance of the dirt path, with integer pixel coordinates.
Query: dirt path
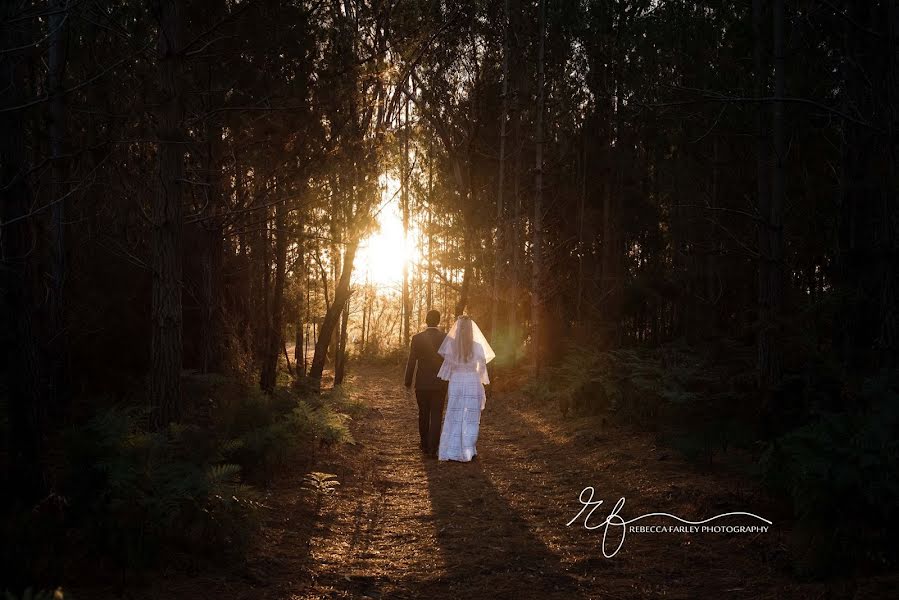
(404, 526)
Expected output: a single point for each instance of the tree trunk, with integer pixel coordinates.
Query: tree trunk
(212, 260)
(768, 359)
(274, 341)
(500, 207)
(332, 316)
(775, 292)
(56, 67)
(340, 362)
(537, 243)
(405, 180)
(166, 352)
(299, 351)
(430, 285)
(579, 317)
(19, 277)
(866, 328)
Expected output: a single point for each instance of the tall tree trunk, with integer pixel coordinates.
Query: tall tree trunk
(212, 244)
(365, 316)
(166, 352)
(772, 368)
(332, 316)
(406, 179)
(515, 234)
(501, 184)
(55, 71)
(299, 352)
(580, 236)
(19, 276)
(274, 340)
(212, 319)
(340, 362)
(763, 174)
(537, 242)
(430, 284)
(768, 359)
(866, 324)
(212, 248)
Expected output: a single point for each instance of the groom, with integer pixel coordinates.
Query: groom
(429, 391)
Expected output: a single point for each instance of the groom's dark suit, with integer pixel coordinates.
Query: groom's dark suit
(429, 391)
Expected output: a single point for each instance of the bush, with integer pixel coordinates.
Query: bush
(134, 491)
(841, 472)
(133, 496)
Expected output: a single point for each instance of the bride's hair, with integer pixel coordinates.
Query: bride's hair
(464, 340)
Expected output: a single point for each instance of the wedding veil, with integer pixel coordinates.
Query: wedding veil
(448, 347)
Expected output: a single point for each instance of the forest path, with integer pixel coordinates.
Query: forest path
(405, 526)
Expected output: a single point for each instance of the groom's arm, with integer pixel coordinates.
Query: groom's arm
(410, 364)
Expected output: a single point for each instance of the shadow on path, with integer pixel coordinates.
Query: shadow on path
(488, 549)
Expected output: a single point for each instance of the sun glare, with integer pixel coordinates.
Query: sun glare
(382, 254)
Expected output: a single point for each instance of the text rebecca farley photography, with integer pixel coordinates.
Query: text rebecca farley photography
(616, 521)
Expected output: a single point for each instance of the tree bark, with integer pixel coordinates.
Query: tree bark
(770, 196)
(332, 316)
(56, 67)
(405, 180)
(866, 326)
(775, 287)
(430, 284)
(274, 340)
(166, 351)
(27, 400)
(340, 362)
(501, 184)
(299, 349)
(213, 247)
(537, 242)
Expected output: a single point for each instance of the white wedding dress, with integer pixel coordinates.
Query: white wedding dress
(466, 400)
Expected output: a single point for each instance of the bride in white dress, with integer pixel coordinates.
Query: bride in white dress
(465, 353)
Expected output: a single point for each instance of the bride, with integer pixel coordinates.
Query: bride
(465, 354)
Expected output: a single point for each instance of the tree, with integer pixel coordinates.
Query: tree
(165, 372)
(537, 225)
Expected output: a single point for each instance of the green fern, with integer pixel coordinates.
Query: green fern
(322, 483)
(223, 473)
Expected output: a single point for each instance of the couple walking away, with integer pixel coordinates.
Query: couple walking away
(451, 366)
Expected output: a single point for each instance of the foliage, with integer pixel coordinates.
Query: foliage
(841, 472)
(320, 483)
(347, 401)
(690, 396)
(134, 495)
(832, 452)
(379, 355)
(135, 491)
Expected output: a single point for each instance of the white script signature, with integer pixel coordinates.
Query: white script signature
(615, 520)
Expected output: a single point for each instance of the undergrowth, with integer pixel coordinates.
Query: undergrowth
(138, 498)
(829, 448)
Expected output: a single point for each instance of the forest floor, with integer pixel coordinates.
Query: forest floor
(401, 525)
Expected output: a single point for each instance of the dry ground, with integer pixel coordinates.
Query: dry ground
(404, 526)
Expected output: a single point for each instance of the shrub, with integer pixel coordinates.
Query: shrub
(133, 496)
(134, 491)
(841, 472)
